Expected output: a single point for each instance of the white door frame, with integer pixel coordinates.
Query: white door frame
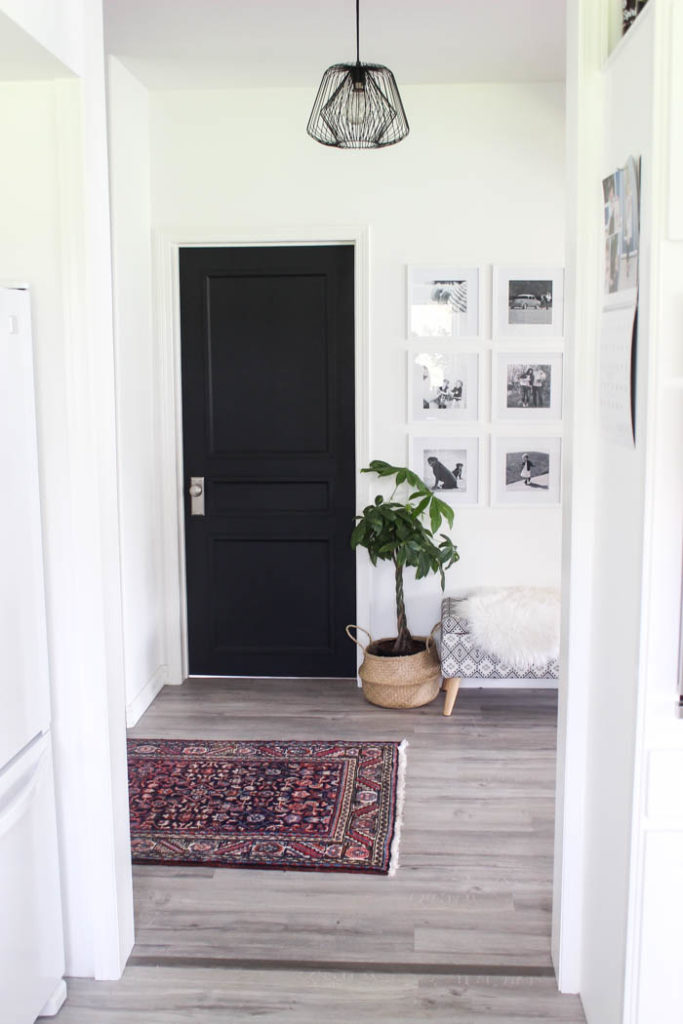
(166, 304)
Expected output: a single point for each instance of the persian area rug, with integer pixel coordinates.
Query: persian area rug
(312, 806)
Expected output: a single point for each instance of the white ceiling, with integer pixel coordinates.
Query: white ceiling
(245, 43)
(21, 57)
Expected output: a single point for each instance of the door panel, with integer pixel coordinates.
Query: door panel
(268, 421)
(286, 313)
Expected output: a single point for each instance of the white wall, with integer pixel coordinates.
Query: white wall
(54, 210)
(621, 746)
(654, 989)
(478, 181)
(138, 437)
(617, 584)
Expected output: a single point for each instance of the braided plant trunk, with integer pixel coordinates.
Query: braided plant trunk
(404, 641)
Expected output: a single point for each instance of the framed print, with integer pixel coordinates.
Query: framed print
(448, 465)
(526, 470)
(528, 302)
(443, 302)
(621, 221)
(527, 386)
(443, 386)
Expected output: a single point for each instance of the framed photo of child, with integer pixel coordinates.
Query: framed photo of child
(443, 385)
(526, 470)
(527, 386)
(448, 465)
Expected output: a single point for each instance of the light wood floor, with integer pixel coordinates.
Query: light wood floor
(462, 932)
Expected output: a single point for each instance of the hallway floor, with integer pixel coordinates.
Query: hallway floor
(462, 932)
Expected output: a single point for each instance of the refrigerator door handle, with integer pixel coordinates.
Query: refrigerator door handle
(17, 800)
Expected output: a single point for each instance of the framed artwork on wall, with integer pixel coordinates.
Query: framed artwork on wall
(527, 386)
(526, 470)
(443, 385)
(528, 302)
(448, 465)
(630, 9)
(443, 302)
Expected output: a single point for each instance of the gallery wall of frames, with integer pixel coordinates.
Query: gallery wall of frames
(485, 382)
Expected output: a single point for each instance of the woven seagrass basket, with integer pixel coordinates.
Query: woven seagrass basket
(407, 681)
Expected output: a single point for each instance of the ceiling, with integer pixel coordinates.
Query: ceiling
(22, 58)
(246, 43)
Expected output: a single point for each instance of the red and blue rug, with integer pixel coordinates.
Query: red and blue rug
(311, 806)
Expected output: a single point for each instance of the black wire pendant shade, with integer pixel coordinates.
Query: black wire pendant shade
(358, 106)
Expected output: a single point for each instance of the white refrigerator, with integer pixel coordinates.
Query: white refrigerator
(31, 935)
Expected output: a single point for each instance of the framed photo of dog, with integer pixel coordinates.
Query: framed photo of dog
(448, 465)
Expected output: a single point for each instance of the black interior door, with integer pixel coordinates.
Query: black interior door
(268, 422)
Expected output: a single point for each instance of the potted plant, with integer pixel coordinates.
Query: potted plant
(403, 671)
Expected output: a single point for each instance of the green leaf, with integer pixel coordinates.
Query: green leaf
(405, 531)
(421, 506)
(357, 535)
(434, 514)
(446, 511)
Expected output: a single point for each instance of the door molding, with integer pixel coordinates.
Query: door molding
(166, 305)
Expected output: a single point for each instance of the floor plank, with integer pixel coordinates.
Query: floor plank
(476, 850)
(204, 996)
(461, 933)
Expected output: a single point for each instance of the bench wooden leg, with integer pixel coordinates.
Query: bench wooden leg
(451, 686)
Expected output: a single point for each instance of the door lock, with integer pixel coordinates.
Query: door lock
(196, 492)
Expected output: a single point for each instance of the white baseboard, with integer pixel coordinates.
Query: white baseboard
(56, 1000)
(136, 708)
(508, 684)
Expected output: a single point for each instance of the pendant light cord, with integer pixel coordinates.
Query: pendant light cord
(357, 33)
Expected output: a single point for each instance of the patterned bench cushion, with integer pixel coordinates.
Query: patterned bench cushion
(460, 656)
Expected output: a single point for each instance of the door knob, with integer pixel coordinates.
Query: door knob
(196, 492)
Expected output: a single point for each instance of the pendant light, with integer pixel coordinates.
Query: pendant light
(358, 106)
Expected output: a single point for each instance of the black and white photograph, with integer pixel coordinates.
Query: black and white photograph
(630, 9)
(449, 466)
(526, 470)
(527, 386)
(443, 385)
(443, 302)
(528, 302)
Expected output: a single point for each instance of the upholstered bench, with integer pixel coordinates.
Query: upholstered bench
(461, 658)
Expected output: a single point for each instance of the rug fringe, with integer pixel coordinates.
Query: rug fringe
(400, 798)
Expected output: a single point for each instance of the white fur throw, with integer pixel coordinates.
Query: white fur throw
(520, 625)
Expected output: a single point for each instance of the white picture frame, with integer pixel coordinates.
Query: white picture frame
(539, 483)
(528, 302)
(443, 385)
(527, 386)
(456, 478)
(443, 302)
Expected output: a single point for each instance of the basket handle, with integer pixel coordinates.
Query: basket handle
(430, 638)
(355, 638)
